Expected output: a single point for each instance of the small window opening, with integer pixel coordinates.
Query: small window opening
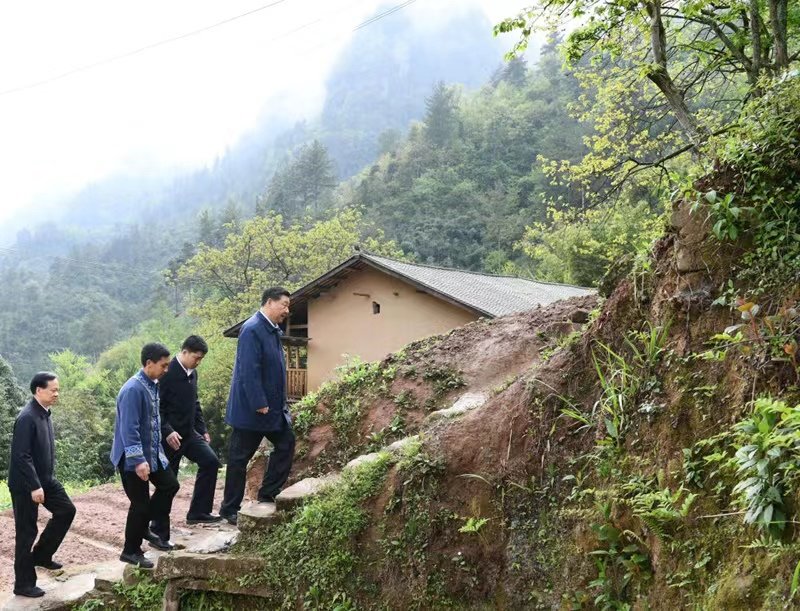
(376, 307)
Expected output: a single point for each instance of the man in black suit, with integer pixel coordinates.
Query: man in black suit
(31, 482)
(184, 432)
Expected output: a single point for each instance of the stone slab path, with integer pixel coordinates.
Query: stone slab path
(94, 543)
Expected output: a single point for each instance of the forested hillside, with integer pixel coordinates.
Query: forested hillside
(88, 279)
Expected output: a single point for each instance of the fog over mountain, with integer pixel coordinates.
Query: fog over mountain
(376, 82)
(83, 266)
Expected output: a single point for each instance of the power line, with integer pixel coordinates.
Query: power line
(166, 41)
(101, 267)
(92, 267)
(380, 16)
(127, 54)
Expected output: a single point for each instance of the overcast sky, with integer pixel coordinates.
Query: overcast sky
(177, 105)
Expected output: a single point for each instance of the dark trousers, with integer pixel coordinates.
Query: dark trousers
(145, 508)
(26, 513)
(197, 450)
(243, 444)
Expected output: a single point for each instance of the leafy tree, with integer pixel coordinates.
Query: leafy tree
(514, 72)
(388, 141)
(227, 281)
(441, 118)
(304, 185)
(12, 399)
(466, 201)
(206, 228)
(660, 76)
(83, 420)
(580, 248)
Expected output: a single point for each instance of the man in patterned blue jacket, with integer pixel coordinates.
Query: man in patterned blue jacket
(138, 456)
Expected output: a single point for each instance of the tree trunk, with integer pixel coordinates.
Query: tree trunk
(778, 25)
(755, 39)
(660, 75)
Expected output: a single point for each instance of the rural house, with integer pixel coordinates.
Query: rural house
(370, 306)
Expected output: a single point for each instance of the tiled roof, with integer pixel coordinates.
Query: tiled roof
(492, 295)
(484, 294)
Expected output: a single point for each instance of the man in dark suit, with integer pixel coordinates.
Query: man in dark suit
(31, 482)
(183, 430)
(257, 404)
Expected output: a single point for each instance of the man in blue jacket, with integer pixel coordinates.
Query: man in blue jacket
(138, 455)
(257, 404)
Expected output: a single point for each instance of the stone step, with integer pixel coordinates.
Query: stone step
(303, 490)
(258, 517)
(217, 572)
(465, 403)
(108, 574)
(364, 459)
(401, 444)
(63, 591)
(219, 541)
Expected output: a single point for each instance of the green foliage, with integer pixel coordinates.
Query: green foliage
(768, 448)
(304, 186)
(761, 154)
(356, 382)
(413, 523)
(145, 595)
(84, 298)
(659, 509)
(475, 156)
(441, 118)
(579, 248)
(123, 359)
(753, 465)
(304, 414)
(324, 534)
(394, 430)
(473, 525)
(623, 564)
(12, 399)
(444, 380)
(227, 281)
(658, 79)
(624, 375)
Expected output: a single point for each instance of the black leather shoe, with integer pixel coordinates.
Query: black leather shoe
(137, 560)
(203, 518)
(266, 499)
(158, 542)
(230, 519)
(30, 592)
(50, 565)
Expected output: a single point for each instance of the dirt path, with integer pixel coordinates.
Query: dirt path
(98, 530)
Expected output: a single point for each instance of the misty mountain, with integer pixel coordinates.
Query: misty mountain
(378, 84)
(382, 79)
(84, 277)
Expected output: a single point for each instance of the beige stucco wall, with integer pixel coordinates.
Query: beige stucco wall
(341, 323)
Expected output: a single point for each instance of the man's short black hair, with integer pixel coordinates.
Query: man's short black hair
(274, 293)
(195, 343)
(153, 352)
(41, 380)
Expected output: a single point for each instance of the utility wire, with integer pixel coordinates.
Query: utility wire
(154, 45)
(380, 16)
(98, 266)
(92, 267)
(166, 41)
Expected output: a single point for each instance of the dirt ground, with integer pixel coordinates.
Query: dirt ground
(98, 530)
